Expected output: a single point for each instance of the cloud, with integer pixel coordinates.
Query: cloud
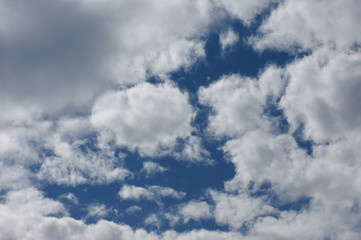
(14, 176)
(91, 45)
(236, 210)
(69, 165)
(328, 104)
(150, 193)
(51, 133)
(245, 10)
(309, 25)
(133, 209)
(239, 102)
(151, 168)
(262, 157)
(195, 210)
(70, 197)
(96, 210)
(20, 209)
(228, 39)
(145, 117)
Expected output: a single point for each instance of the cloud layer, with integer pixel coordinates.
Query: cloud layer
(90, 97)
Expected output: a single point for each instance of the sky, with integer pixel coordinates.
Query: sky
(180, 120)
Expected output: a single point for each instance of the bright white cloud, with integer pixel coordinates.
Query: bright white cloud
(145, 117)
(262, 157)
(308, 25)
(323, 95)
(239, 102)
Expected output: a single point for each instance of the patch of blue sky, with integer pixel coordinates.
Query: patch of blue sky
(242, 59)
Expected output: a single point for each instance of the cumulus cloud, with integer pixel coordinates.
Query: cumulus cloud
(236, 210)
(308, 25)
(92, 46)
(55, 134)
(146, 117)
(262, 157)
(238, 102)
(323, 94)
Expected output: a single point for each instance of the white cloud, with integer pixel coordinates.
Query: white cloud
(14, 176)
(153, 220)
(70, 197)
(151, 193)
(262, 157)
(97, 210)
(192, 150)
(245, 10)
(71, 166)
(227, 39)
(151, 168)
(145, 117)
(308, 24)
(239, 102)
(235, 210)
(93, 45)
(182, 53)
(195, 210)
(323, 94)
(20, 209)
(133, 209)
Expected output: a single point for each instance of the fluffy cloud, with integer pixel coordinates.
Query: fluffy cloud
(323, 95)
(145, 117)
(262, 157)
(308, 25)
(239, 102)
(95, 46)
(236, 210)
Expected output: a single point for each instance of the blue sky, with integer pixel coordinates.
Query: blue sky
(180, 120)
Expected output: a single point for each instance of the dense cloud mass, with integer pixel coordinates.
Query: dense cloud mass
(120, 119)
